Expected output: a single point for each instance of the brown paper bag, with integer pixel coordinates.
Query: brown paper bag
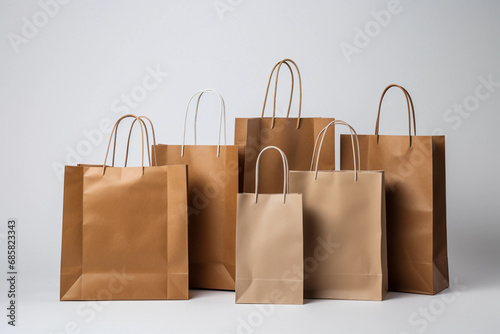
(124, 232)
(416, 203)
(269, 245)
(294, 136)
(344, 230)
(212, 189)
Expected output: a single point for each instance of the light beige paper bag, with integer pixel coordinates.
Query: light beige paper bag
(269, 245)
(212, 189)
(344, 230)
(124, 232)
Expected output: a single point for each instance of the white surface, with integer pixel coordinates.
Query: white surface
(67, 78)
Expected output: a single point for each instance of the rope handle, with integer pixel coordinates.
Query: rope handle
(322, 133)
(141, 119)
(114, 133)
(278, 65)
(411, 112)
(221, 118)
(285, 172)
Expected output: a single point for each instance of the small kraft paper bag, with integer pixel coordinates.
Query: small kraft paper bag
(212, 189)
(269, 244)
(415, 182)
(295, 136)
(344, 229)
(124, 231)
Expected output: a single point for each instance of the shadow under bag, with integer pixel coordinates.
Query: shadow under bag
(124, 231)
(345, 254)
(415, 183)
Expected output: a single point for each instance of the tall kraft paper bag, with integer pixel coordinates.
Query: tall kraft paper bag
(212, 189)
(124, 232)
(295, 136)
(269, 244)
(415, 182)
(344, 229)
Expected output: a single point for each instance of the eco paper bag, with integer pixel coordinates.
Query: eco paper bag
(212, 189)
(415, 183)
(294, 136)
(269, 245)
(344, 230)
(124, 232)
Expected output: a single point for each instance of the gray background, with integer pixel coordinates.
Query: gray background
(69, 75)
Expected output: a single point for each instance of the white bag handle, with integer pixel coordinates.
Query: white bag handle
(222, 117)
(285, 172)
(322, 133)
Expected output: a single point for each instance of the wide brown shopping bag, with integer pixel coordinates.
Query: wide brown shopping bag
(124, 232)
(295, 136)
(269, 244)
(345, 253)
(416, 202)
(212, 189)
